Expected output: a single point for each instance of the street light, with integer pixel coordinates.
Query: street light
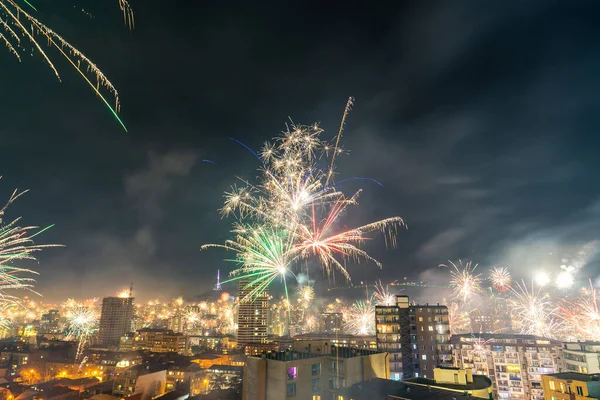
(206, 383)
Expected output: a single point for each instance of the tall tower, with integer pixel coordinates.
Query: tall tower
(115, 320)
(393, 337)
(253, 318)
(218, 286)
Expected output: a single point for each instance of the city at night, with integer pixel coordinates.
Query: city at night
(299, 201)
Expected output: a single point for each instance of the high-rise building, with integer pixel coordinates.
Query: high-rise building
(279, 320)
(514, 363)
(49, 322)
(392, 324)
(331, 323)
(116, 319)
(416, 337)
(429, 338)
(252, 315)
(581, 357)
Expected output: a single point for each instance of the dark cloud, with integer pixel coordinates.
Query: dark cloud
(478, 118)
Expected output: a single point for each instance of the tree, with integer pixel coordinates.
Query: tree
(29, 375)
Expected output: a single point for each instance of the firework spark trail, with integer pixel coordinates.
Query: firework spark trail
(383, 296)
(360, 318)
(465, 282)
(500, 278)
(12, 14)
(533, 311)
(293, 199)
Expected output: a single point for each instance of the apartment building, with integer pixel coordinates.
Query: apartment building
(514, 363)
(308, 376)
(416, 337)
(581, 357)
(155, 340)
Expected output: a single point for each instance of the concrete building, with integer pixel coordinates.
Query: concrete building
(115, 320)
(392, 325)
(415, 336)
(581, 357)
(149, 381)
(514, 363)
(155, 340)
(429, 338)
(301, 376)
(571, 386)
(252, 315)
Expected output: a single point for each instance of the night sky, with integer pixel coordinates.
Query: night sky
(480, 118)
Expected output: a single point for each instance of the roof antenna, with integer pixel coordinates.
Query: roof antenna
(131, 290)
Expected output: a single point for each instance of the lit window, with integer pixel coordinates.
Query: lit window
(424, 357)
(579, 390)
(292, 373)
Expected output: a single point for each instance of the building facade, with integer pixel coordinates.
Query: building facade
(293, 375)
(571, 386)
(416, 337)
(514, 363)
(115, 320)
(155, 340)
(429, 339)
(252, 315)
(581, 357)
(147, 380)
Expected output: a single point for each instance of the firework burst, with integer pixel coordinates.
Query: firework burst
(500, 278)
(264, 255)
(464, 281)
(382, 295)
(306, 294)
(16, 244)
(83, 321)
(293, 212)
(533, 311)
(581, 318)
(360, 318)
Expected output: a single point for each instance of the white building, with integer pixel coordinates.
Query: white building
(514, 363)
(581, 357)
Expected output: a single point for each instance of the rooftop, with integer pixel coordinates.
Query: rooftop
(327, 336)
(231, 368)
(576, 376)
(479, 382)
(382, 389)
(343, 352)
